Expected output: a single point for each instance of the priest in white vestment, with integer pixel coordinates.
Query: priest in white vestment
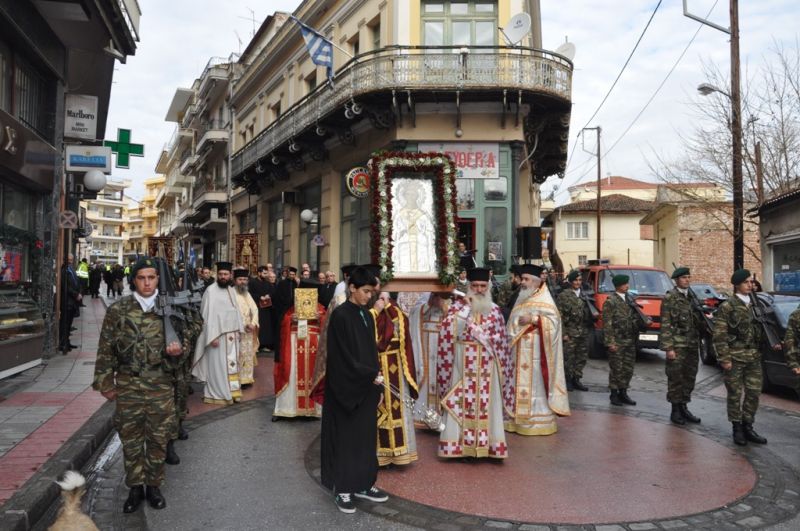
(216, 357)
(248, 342)
(473, 366)
(534, 330)
(425, 323)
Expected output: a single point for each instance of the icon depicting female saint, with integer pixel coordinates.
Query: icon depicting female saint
(412, 228)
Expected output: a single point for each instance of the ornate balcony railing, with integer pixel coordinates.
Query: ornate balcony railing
(421, 68)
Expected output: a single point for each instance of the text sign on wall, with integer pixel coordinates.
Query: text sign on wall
(80, 116)
(473, 161)
(85, 158)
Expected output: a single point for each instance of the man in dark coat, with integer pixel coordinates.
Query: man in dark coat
(282, 301)
(327, 288)
(263, 292)
(95, 277)
(70, 300)
(353, 385)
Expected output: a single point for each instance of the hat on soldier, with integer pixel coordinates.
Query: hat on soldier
(224, 266)
(239, 273)
(143, 263)
(530, 269)
(480, 274)
(574, 274)
(680, 271)
(739, 276)
(620, 280)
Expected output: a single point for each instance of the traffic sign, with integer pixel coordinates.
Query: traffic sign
(67, 219)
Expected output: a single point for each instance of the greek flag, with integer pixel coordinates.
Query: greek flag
(319, 48)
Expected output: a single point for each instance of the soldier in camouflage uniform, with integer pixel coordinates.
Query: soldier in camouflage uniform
(620, 331)
(792, 342)
(133, 368)
(576, 321)
(509, 291)
(681, 327)
(737, 336)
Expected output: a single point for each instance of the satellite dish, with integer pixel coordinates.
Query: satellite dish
(517, 28)
(567, 50)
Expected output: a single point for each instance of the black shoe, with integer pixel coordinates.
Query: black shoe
(344, 502)
(751, 435)
(155, 498)
(135, 498)
(625, 399)
(275, 418)
(72, 328)
(172, 457)
(373, 494)
(570, 386)
(676, 417)
(688, 414)
(615, 398)
(577, 384)
(738, 434)
(182, 433)
(74, 346)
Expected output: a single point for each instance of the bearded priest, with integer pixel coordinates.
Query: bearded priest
(534, 329)
(472, 366)
(294, 372)
(248, 341)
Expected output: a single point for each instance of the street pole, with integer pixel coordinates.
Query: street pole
(736, 133)
(598, 130)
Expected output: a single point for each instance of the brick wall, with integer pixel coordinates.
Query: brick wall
(706, 245)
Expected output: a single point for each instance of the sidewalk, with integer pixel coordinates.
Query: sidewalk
(44, 428)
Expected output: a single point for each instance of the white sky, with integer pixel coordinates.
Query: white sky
(178, 37)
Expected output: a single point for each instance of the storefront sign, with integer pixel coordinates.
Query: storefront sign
(357, 181)
(80, 116)
(473, 161)
(24, 153)
(85, 158)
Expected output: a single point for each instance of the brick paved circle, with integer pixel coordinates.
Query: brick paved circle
(770, 497)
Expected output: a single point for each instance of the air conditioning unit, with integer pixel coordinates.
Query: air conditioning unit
(291, 197)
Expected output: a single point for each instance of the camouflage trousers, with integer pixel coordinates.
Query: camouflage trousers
(681, 374)
(181, 386)
(743, 382)
(145, 420)
(620, 364)
(576, 352)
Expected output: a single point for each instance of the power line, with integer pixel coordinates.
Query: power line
(653, 96)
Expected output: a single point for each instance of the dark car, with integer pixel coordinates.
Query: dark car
(776, 372)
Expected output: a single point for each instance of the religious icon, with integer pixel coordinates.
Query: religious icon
(413, 230)
(305, 303)
(246, 251)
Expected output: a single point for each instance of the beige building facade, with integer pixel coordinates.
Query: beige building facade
(425, 76)
(142, 221)
(108, 216)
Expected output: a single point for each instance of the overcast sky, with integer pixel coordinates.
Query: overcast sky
(178, 37)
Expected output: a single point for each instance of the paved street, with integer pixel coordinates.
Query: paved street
(607, 469)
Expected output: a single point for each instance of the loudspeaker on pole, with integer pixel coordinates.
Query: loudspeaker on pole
(529, 243)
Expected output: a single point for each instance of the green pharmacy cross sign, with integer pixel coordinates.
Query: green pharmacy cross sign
(124, 149)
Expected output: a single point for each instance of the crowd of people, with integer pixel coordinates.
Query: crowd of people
(470, 364)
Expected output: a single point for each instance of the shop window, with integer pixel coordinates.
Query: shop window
(465, 198)
(275, 234)
(495, 232)
(495, 189)
(354, 245)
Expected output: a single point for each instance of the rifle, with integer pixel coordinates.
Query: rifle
(703, 310)
(765, 317)
(644, 320)
(589, 302)
(164, 306)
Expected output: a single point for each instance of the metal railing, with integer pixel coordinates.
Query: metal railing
(403, 68)
(204, 186)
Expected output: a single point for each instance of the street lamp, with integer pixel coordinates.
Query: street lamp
(707, 88)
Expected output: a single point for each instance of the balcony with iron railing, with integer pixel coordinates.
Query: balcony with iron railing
(212, 132)
(403, 75)
(209, 190)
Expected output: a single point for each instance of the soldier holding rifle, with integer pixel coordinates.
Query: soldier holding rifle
(577, 322)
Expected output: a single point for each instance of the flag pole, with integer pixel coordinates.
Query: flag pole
(348, 54)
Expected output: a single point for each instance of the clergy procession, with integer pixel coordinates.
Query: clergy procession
(379, 367)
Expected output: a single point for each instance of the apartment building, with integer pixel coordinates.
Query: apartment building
(142, 219)
(108, 216)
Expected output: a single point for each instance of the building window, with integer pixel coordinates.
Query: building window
(375, 29)
(459, 23)
(275, 234)
(311, 82)
(33, 105)
(5, 79)
(354, 236)
(582, 260)
(354, 45)
(577, 230)
(275, 110)
(248, 221)
(309, 251)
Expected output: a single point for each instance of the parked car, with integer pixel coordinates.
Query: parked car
(648, 284)
(773, 362)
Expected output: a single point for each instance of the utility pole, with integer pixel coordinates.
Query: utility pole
(598, 129)
(736, 133)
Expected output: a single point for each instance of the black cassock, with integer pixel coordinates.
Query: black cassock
(349, 427)
(281, 302)
(266, 326)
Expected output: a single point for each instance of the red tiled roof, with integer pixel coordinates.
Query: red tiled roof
(609, 203)
(616, 182)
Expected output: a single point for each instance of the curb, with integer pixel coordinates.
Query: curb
(31, 502)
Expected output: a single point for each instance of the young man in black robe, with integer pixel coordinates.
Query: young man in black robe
(353, 387)
(282, 301)
(262, 291)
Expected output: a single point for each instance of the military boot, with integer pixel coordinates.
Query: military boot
(570, 386)
(625, 399)
(738, 434)
(172, 457)
(135, 498)
(182, 433)
(615, 399)
(751, 435)
(155, 498)
(688, 414)
(577, 384)
(676, 417)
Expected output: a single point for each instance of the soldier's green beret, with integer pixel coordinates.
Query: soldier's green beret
(739, 276)
(143, 263)
(680, 271)
(573, 275)
(620, 280)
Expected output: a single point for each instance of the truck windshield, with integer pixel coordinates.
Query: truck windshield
(644, 282)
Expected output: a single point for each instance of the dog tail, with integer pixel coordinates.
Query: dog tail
(72, 480)
(72, 488)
